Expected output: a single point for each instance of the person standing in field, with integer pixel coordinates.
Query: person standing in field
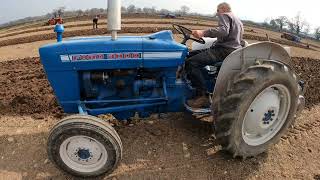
(95, 22)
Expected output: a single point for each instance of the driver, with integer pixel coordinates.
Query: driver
(229, 35)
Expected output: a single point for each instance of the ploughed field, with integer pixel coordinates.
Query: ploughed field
(173, 146)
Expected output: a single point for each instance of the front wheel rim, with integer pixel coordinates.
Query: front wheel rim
(83, 154)
(266, 115)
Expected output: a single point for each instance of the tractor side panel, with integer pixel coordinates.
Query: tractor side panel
(62, 77)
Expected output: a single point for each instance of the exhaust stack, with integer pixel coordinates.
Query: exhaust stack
(114, 17)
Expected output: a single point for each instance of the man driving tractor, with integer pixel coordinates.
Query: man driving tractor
(229, 34)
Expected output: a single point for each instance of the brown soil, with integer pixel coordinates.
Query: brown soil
(308, 70)
(177, 147)
(25, 90)
(20, 51)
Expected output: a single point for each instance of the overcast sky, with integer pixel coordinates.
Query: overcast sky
(256, 10)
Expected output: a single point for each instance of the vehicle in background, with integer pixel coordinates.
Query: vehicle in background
(291, 37)
(169, 15)
(54, 21)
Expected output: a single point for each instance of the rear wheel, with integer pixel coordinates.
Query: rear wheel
(84, 146)
(257, 109)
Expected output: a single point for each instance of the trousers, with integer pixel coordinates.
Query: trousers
(197, 60)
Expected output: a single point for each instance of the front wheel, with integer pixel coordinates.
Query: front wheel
(257, 109)
(84, 146)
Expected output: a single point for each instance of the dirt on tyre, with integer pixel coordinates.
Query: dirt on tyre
(84, 146)
(256, 110)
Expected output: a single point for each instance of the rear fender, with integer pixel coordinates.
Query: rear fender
(242, 58)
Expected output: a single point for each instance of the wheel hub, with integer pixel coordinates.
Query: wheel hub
(83, 153)
(266, 115)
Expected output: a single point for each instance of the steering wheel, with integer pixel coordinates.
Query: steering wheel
(187, 33)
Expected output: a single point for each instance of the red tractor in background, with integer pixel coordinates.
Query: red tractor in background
(54, 21)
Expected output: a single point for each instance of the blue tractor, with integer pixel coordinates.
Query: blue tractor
(254, 93)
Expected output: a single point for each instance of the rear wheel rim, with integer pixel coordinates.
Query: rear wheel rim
(266, 115)
(83, 154)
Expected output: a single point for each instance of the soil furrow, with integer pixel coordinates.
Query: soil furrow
(303, 128)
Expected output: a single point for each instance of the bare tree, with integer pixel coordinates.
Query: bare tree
(131, 9)
(281, 22)
(149, 10)
(307, 29)
(297, 24)
(146, 10)
(139, 10)
(79, 12)
(185, 9)
(123, 9)
(60, 11)
(274, 25)
(153, 10)
(55, 13)
(266, 22)
(291, 26)
(317, 33)
(94, 12)
(164, 11)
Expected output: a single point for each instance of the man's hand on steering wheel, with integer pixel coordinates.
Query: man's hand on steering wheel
(198, 34)
(187, 33)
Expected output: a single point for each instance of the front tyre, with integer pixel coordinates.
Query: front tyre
(257, 109)
(84, 146)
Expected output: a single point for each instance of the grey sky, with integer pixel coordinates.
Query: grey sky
(247, 9)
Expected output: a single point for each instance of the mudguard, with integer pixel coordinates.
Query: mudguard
(242, 58)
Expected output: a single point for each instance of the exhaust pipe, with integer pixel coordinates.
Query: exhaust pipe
(114, 17)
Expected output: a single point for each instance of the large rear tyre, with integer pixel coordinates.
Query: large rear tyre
(84, 146)
(257, 109)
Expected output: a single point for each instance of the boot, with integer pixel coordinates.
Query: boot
(199, 102)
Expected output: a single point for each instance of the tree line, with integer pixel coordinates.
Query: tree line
(296, 25)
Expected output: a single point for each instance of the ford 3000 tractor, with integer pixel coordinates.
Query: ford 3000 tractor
(255, 94)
